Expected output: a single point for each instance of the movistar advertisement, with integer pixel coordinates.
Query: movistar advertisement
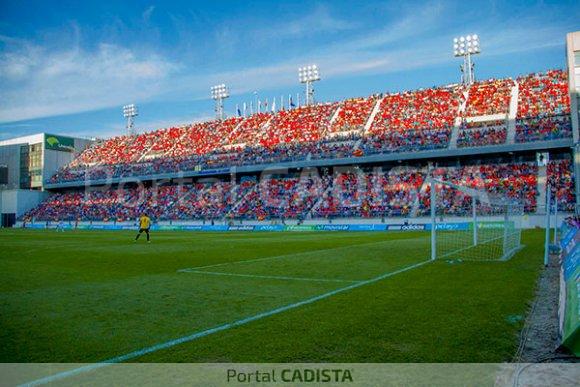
(264, 227)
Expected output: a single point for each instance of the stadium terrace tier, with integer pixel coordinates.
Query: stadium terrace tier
(400, 191)
(531, 108)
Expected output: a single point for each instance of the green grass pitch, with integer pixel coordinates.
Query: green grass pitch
(89, 296)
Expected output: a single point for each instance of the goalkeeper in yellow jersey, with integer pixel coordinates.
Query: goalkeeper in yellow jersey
(144, 226)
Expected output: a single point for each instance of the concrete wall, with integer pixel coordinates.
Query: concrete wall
(53, 160)
(18, 201)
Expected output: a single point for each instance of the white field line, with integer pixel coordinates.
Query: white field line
(291, 255)
(219, 328)
(267, 276)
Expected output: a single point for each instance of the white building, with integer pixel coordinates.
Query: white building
(25, 163)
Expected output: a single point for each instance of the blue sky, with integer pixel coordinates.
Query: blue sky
(67, 67)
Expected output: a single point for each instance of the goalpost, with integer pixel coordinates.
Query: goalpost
(473, 224)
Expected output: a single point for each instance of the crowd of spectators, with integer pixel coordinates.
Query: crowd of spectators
(543, 128)
(400, 191)
(280, 198)
(415, 120)
(485, 133)
(489, 97)
(106, 205)
(517, 181)
(543, 107)
(353, 115)
(304, 124)
(248, 131)
(561, 181)
(406, 122)
(207, 201)
(375, 194)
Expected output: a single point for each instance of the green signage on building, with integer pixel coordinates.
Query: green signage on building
(59, 143)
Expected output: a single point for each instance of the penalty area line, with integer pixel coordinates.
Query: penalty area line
(275, 277)
(219, 328)
(291, 255)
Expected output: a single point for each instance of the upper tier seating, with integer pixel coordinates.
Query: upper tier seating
(353, 115)
(410, 121)
(561, 181)
(304, 124)
(489, 97)
(543, 107)
(416, 120)
(474, 134)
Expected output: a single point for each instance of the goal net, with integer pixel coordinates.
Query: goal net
(473, 224)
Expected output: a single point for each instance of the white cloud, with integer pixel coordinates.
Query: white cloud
(171, 122)
(146, 15)
(415, 22)
(37, 82)
(318, 20)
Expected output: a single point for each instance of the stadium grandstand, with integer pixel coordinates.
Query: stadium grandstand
(403, 223)
(484, 135)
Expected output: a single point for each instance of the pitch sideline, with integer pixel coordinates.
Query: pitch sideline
(293, 254)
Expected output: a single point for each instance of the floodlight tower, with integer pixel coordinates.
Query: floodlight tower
(308, 75)
(218, 94)
(130, 112)
(466, 46)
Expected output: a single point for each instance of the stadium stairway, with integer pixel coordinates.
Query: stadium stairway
(327, 133)
(457, 122)
(371, 118)
(511, 127)
(421, 192)
(240, 200)
(226, 139)
(455, 133)
(316, 204)
(334, 116)
(542, 180)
